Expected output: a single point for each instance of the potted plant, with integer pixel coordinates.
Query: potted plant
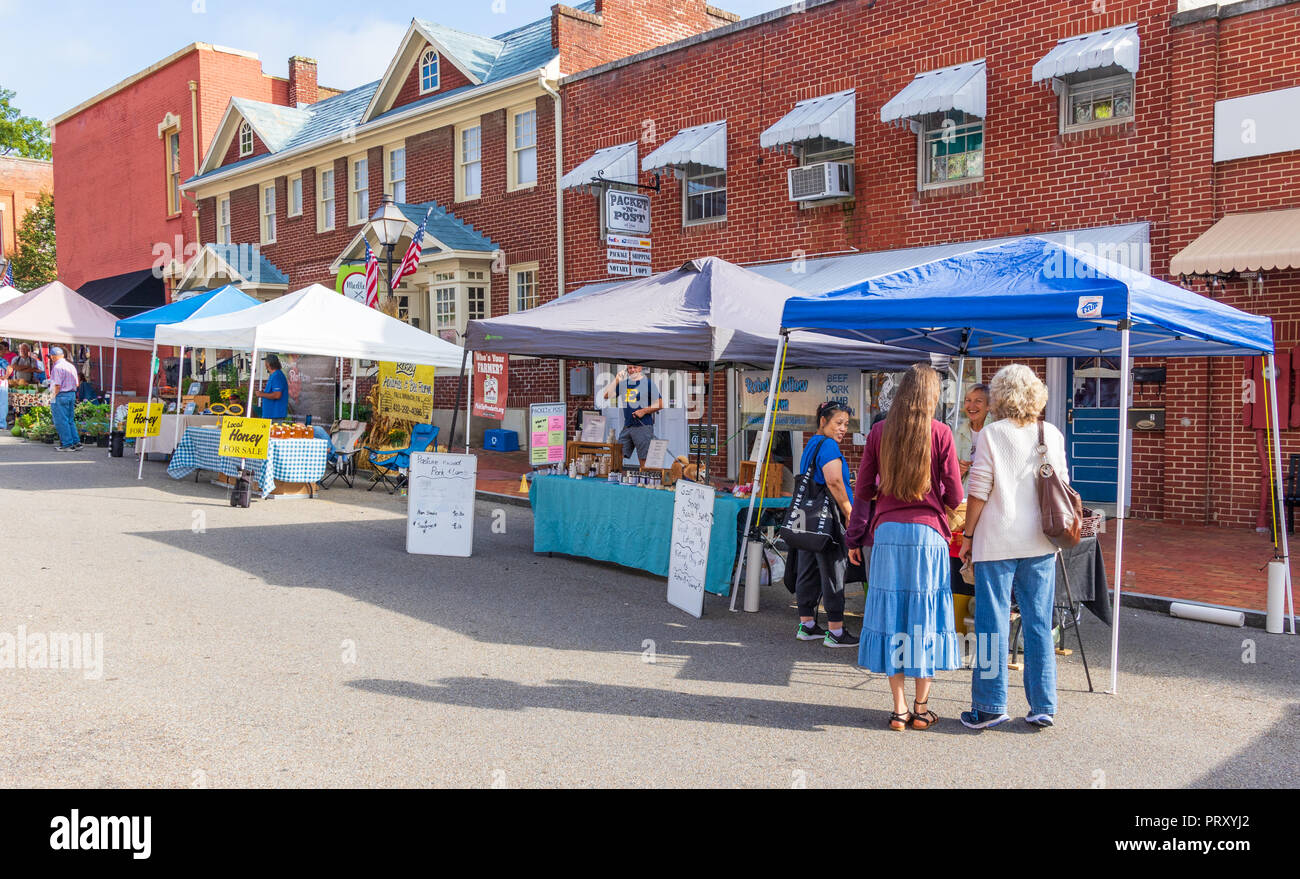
(397, 438)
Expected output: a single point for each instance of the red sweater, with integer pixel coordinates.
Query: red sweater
(945, 489)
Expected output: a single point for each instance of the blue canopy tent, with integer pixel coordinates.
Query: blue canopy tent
(222, 300)
(1032, 297)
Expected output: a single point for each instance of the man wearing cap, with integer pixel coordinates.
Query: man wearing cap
(63, 382)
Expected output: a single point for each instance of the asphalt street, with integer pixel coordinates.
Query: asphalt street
(296, 643)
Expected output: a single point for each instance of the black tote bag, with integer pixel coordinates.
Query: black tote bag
(812, 521)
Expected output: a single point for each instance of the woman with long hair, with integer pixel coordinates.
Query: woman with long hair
(909, 469)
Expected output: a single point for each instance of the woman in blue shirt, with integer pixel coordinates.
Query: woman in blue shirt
(819, 576)
(274, 396)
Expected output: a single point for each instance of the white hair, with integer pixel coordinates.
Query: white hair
(1017, 393)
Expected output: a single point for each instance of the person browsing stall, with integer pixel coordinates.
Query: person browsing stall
(273, 399)
(976, 407)
(63, 384)
(819, 576)
(638, 396)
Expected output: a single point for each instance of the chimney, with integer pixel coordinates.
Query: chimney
(302, 81)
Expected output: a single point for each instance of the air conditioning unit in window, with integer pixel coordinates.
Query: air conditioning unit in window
(822, 180)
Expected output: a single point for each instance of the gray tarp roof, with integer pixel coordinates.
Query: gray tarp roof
(706, 311)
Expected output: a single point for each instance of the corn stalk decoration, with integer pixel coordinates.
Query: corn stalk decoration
(381, 424)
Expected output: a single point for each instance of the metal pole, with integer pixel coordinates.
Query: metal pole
(112, 393)
(252, 381)
(389, 249)
(957, 400)
(180, 388)
(338, 408)
(148, 401)
(1277, 468)
(455, 410)
(764, 438)
(1121, 491)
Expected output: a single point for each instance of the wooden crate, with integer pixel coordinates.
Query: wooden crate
(775, 475)
(577, 448)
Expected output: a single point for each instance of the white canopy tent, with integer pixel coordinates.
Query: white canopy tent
(8, 294)
(314, 320)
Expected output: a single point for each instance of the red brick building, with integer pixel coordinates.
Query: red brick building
(968, 122)
(22, 181)
(462, 129)
(123, 224)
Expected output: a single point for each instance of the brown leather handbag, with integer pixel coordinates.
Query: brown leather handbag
(1059, 505)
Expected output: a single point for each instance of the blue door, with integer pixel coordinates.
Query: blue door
(1092, 427)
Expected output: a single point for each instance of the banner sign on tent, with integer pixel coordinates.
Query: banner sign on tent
(244, 437)
(491, 384)
(406, 391)
(802, 391)
(138, 424)
(546, 443)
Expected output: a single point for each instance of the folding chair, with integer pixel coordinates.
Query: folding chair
(341, 462)
(390, 466)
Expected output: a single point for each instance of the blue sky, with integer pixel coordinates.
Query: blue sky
(85, 47)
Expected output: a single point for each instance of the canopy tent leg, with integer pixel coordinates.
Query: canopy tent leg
(764, 441)
(143, 442)
(455, 410)
(957, 399)
(112, 393)
(101, 365)
(469, 407)
(1281, 491)
(1121, 491)
(180, 389)
(252, 381)
(338, 408)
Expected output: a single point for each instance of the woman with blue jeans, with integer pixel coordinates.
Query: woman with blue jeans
(1004, 538)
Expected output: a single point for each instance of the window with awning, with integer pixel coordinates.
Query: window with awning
(698, 157)
(1094, 75)
(945, 108)
(817, 125)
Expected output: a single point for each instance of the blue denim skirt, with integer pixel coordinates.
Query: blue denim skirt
(907, 625)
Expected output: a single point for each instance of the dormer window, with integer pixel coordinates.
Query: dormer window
(245, 140)
(429, 72)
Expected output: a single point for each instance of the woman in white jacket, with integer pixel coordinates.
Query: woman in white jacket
(1004, 537)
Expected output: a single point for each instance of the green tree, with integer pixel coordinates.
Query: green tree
(34, 259)
(23, 135)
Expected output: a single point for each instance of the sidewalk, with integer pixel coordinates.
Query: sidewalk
(1223, 566)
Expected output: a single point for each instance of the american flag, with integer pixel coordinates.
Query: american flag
(372, 277)
(411, 261)
(8, 280)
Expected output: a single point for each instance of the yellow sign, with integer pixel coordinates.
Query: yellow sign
(406, 391)
(137, 425)
(244, 437)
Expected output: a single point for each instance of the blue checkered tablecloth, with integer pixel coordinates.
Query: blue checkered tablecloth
(288, 460)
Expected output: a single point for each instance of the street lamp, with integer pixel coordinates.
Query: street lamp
(389, 223)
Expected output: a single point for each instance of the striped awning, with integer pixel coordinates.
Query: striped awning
(702, 147)
(832, 117)
(616, 164)
(1243, 243)
(1113, 47)
(953, 88)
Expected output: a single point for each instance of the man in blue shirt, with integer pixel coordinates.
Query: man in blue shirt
(636, 394)
(274, 396)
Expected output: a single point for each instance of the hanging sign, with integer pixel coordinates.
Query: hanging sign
(618, 268)
(244, 437)
(627, 213)
(406, 391)
(138, 424)
(546, 443)
(704, 439)
(351, 282)
(491, 384)
(802, 391)
(627, 241)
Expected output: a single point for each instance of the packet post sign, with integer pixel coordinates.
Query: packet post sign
(546, 434)
(406, 391)
(244, 437)
(138, 425)
(491, 384)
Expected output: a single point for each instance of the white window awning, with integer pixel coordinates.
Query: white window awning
(1113, 47)
(961, 88)
(703, 147)
(832, 117)
(617, 164)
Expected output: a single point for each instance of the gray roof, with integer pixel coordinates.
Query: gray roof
(491, 59)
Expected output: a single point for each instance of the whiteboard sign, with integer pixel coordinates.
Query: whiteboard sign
(440, 504)
(688, 559)
(657, 454)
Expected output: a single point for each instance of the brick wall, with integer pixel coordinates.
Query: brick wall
(22, 181)
(619, 28)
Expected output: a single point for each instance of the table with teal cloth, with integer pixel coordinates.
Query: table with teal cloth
(630, 525)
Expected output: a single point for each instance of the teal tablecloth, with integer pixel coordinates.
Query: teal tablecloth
(629, 525)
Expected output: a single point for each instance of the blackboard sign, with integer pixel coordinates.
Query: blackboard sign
(705, 435)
